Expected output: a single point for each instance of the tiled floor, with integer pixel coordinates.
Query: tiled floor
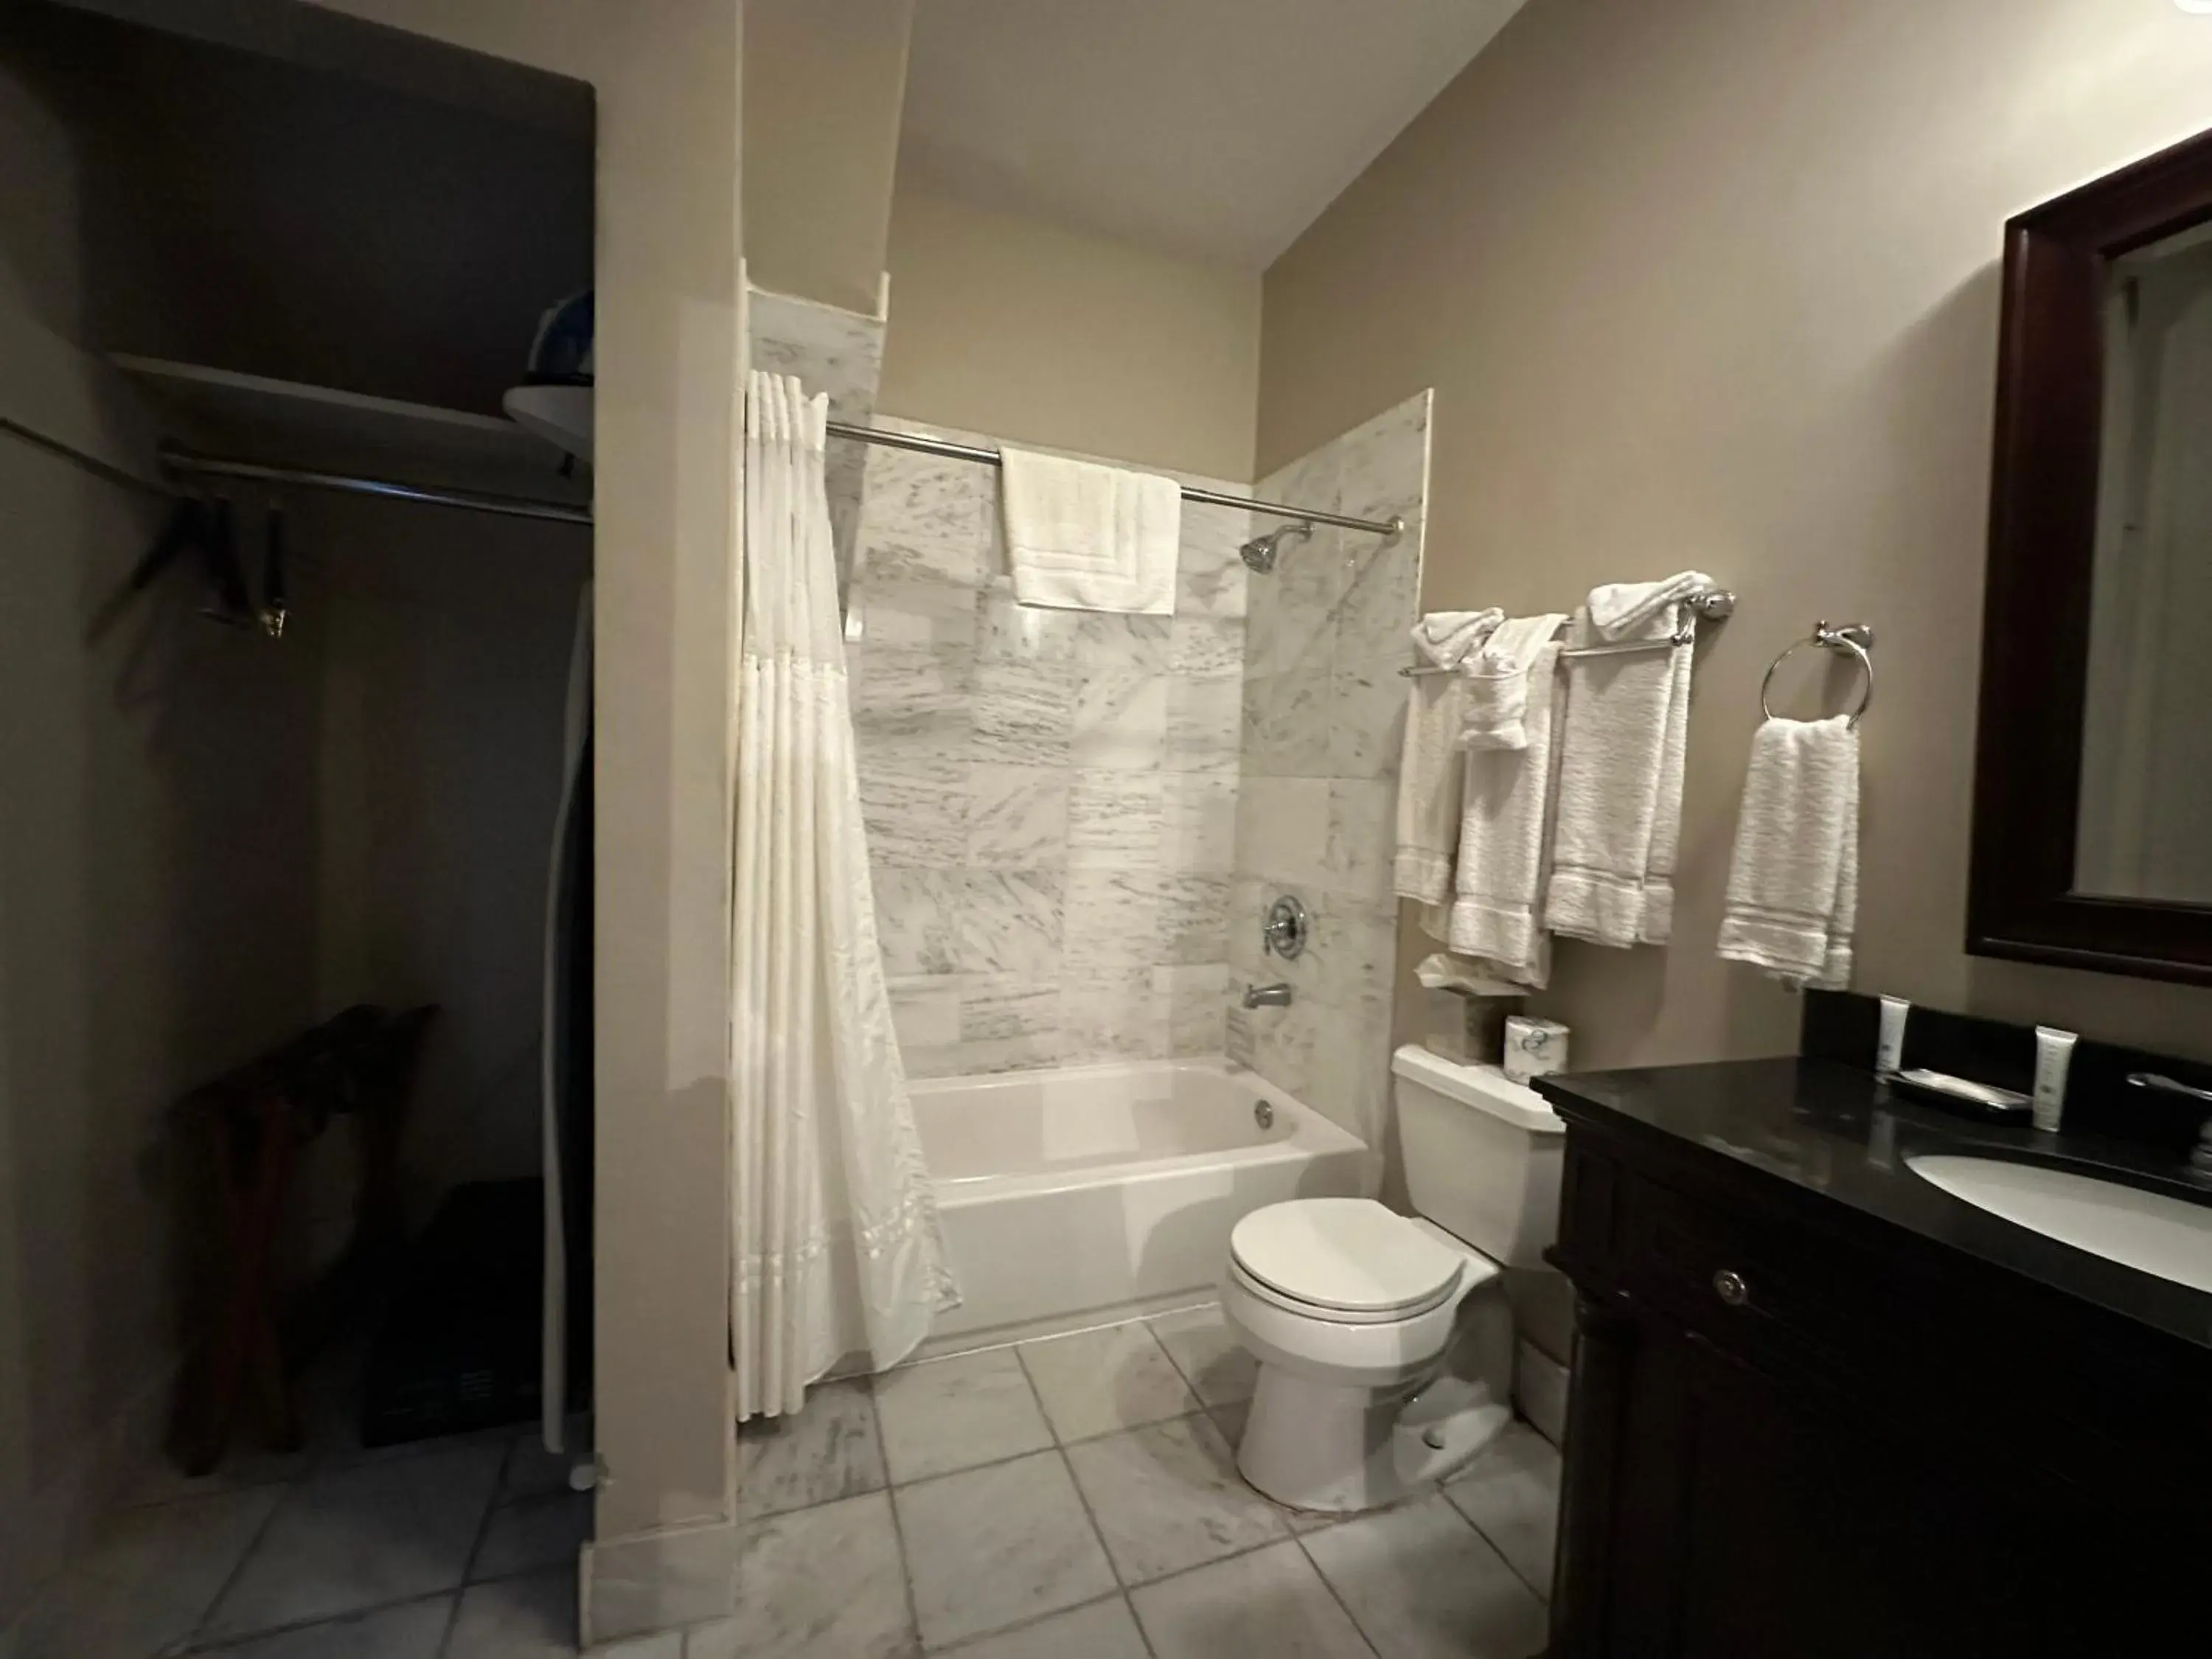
(1078, 1499)
(462, 1548)
(1071, 1499)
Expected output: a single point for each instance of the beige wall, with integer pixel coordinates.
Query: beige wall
(669, 350)
(826, 81)
(1005, 323)
(157, 778)
(1715, 284)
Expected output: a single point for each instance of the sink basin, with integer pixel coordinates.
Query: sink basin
(2168, 1236)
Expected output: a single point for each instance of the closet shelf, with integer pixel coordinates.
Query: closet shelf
(287, 423)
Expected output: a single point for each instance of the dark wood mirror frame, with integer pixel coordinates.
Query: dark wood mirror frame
(2035, 620)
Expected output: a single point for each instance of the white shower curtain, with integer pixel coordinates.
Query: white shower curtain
(838, 1250)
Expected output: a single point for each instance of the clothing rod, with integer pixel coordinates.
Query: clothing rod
(950, 451)
(71, 452)
(471, 501)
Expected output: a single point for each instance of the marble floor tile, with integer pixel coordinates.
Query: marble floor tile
(1168, 1496)
(145, 1581)
(829, 1450)
(1511, 1492)
(415, 1630)
(162, 1482)
(954, 1413)
(532, 1472)
(532, 1617)
(1095, 1383)
(536, 1532)
(1216, 1365)
(1024, 1519)
(1422, 1584)
(1104, 1630)
(815, 1583)
(1271, 1602)
(1018, 816)
(360, 1535)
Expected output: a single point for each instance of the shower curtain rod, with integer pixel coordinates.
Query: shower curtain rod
(471, 501)
(872, 434)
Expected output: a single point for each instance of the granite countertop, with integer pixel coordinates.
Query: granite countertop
(1842, 1133)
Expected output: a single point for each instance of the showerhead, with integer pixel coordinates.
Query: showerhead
(1260, 552)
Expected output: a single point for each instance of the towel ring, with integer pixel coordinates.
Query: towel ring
(1854, 637)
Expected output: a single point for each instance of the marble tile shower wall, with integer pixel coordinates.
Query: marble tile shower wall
(1324, 717)
(839, 352)
(1050, 795)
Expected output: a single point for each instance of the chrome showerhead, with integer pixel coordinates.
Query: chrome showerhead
(1260, 552)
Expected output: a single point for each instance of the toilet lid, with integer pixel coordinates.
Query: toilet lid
(1349, 1253)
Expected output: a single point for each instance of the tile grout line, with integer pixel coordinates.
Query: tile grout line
(238, 1568)
(898, 1527)
(1029, 1623)
(1358, 1629)
(469, 1561)
(245, 1639)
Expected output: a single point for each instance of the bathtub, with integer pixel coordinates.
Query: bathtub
(1074, 1196)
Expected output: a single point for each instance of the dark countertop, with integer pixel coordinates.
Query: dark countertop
(1840, 1133)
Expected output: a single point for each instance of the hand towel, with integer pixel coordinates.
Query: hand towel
(1504, 837)
(1793, 889)
(1081, 536)
(1431, 767)
(1446, 639)
(1621, 754)
(1497, 684)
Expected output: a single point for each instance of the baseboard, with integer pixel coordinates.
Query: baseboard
(1539, 1389)
(650, 1582)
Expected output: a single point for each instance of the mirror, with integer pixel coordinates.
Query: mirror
(2093, 804)
(2145, 829)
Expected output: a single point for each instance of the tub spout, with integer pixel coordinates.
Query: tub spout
(1267, 996)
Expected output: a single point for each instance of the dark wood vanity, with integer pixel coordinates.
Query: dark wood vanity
(1822, 1407)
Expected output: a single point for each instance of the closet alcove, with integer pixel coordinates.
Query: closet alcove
(305, 292)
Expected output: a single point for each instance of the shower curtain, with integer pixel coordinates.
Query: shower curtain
(838, 1250)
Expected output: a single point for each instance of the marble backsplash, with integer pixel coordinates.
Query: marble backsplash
(833, 351)
(1323, 721)
(1050, 795)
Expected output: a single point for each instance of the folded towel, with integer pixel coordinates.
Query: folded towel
(1622, 749)
(1081, 536)
(1446, 639)
(1497, 684)
(1503, 842)
(1626, 610)
(1431, 767)
(1793, 890)
(1444, 971)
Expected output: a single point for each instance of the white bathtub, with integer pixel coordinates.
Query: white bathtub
(1073, 1196)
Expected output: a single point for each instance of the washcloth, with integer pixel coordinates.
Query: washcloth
(1793, 890)
(1625, 610)
(1431, 767)
(1497, 684)
(1447, 639)
(1621, 755)
(1081, 536)
(1504, 837)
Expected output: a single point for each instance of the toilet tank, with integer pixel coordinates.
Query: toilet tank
(1482, 1154)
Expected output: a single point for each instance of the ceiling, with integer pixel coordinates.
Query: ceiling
(1219, 128)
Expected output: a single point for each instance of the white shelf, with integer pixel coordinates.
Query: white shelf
(285, 422)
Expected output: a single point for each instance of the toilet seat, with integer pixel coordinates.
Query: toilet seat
(1348, 1261)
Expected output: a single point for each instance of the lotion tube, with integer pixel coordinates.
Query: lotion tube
(2054, 1052)
(1889, 1043)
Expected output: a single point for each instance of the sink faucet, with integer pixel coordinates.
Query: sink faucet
(1267, 996)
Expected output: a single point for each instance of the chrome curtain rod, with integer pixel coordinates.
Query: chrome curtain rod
(871, 434)
(471, 501)
(1712, 604)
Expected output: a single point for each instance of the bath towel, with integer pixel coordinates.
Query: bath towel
(1081, 536)
(1497, 683)
(1794, 886)
(1621, 753)
(1504, 841)
(1448, 639)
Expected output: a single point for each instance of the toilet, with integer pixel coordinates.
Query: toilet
(1385, 1342)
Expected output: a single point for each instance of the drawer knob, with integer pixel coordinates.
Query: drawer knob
(1730, 1288)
